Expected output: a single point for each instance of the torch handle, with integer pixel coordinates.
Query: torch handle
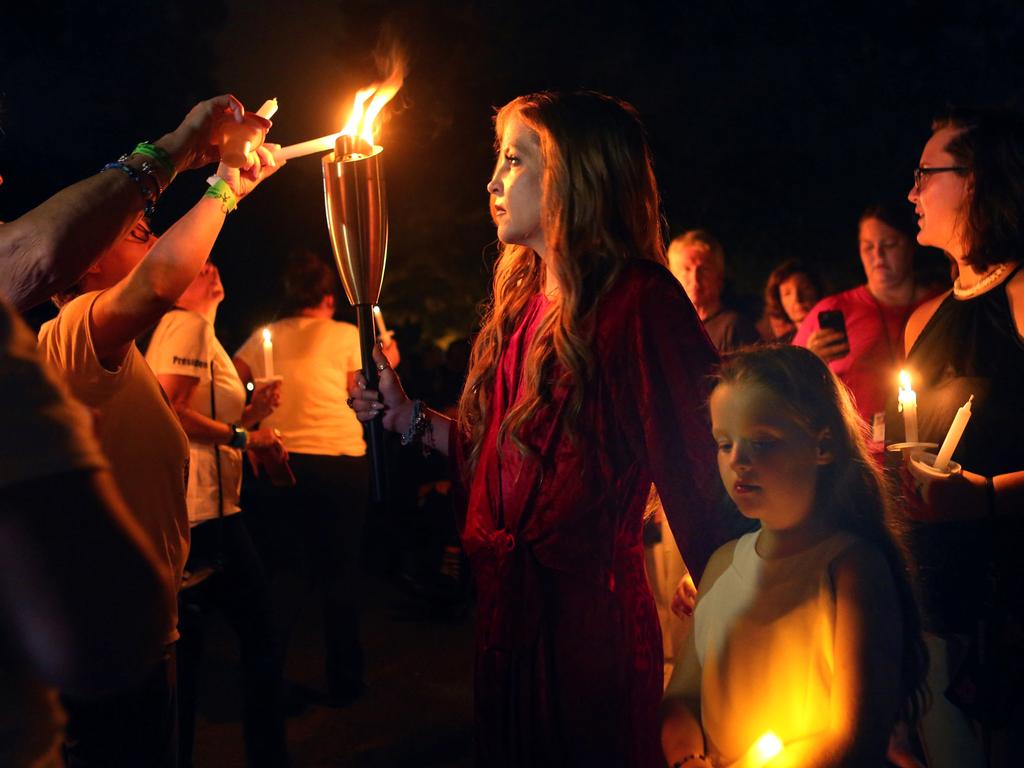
(374, 428)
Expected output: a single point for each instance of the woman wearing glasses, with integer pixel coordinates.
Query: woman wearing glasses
(969, 198)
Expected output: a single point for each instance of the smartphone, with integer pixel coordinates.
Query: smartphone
(832, 319)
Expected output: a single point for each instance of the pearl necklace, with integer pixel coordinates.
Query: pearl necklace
(983, 284)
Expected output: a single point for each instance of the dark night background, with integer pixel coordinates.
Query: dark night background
(773, 124)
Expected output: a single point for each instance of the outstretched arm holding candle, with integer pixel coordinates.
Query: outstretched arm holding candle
(47, 249)
(142, 286)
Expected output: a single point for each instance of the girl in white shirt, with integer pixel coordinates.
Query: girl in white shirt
(807, 628)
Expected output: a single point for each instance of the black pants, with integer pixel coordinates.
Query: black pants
(317, 527)
(136, 728)
(238, 588)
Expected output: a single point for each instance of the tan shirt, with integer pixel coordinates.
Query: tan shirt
(315, 356)
(138, 430)
(184, 343)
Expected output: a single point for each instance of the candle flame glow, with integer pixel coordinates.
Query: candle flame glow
(266, 335)
(371, 100)
(766, 747)
(904, 380)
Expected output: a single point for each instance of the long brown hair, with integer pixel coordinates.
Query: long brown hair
(851, 487)
(600, 207)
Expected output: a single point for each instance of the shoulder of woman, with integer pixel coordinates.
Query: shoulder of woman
(919, 319)
(1015, 293)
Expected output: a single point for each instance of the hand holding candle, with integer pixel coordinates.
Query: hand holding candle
(908, 407)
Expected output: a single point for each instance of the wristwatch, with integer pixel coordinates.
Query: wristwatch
(239, 437)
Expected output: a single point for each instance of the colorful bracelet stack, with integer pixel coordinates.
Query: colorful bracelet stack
(150, 193)
(157, 164)
(220, 190)
(160, 158)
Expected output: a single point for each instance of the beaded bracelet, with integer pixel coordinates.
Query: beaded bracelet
(149, 197)
(220, 190)
(159, 155)
(419, 427)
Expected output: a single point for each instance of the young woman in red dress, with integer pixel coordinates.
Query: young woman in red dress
(587, 383)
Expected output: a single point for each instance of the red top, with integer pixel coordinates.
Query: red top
(569, 661)
(875, 331)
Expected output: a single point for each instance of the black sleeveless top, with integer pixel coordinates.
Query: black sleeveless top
(970, 347)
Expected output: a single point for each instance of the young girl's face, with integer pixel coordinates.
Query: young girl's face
(769, 464)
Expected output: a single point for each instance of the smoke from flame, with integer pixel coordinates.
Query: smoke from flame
(371, 100)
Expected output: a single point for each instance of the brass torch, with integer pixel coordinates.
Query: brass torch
(357, 221)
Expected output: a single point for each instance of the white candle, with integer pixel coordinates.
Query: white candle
(956, 431)
(382, 329)
(268, 354)
(268, 109)
(908, 406)
(311, 147)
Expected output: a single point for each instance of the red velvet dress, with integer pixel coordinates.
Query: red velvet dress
(569, 656)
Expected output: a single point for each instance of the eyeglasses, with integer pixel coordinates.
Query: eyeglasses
(140, 233)
(920, 173)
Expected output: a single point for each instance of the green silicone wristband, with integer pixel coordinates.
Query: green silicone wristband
(157, 154)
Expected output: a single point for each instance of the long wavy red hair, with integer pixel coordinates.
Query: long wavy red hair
(600, 207)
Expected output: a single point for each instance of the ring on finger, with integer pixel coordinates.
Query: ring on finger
(381, 367)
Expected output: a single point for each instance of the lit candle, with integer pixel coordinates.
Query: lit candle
(908, 406)
(268, 109)
(956, 431)
(382, 329)
(268, 354)
(760, 752)
(311, 147)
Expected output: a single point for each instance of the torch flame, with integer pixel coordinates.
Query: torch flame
(371, 100)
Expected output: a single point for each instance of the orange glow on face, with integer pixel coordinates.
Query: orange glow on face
(369, 102)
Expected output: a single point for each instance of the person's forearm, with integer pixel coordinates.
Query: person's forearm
(173, 263)
(47, 249)
(681, 734)
(436, 437)
(203, 429)
(1008, 494)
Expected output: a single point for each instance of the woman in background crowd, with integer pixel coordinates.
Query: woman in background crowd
(793, 288)
(317, 356)
(222, 570)
(861, 337)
